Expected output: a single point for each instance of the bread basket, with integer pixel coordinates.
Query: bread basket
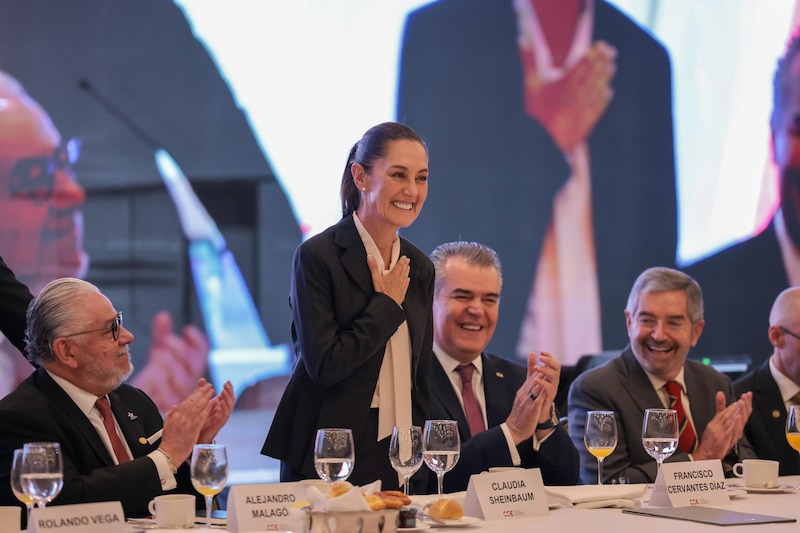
(384, 521)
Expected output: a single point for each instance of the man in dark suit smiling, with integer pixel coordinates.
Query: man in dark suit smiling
(114, 443)
(505, 414)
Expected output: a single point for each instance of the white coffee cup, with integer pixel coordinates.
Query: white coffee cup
(757, 473)
(173, 510)
(10, 517)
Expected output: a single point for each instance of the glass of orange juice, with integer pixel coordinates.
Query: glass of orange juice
(600, 437)
(793, 427)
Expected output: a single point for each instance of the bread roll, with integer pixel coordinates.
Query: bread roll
(446, 509)
(340, 487)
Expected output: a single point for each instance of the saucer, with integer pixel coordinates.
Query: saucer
(765, 490)
(465, 521)
(736, 493)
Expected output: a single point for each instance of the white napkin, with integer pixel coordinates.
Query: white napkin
(598, 496)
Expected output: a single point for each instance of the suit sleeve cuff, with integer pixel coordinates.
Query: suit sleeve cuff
(168, 481)
(512, 447)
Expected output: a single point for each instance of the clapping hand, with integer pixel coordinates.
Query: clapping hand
(221, 408)
(183, 422)
(569, 108)
(726, 428)
(534, 398)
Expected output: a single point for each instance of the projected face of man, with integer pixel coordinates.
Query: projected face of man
(41, 227)
(786, 145)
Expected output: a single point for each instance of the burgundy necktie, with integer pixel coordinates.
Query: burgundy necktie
(471, 407)
(688, 439)
(108, 422)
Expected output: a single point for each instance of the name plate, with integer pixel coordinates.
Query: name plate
(265, 507)
(508, 494)
(102, 517)
(690, 483)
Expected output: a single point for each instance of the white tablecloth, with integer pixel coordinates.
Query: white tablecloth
(567, 520)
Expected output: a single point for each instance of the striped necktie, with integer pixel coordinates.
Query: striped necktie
(688, 439)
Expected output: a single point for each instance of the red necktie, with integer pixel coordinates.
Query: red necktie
(108, 422)
(688, 439)
(471, 407)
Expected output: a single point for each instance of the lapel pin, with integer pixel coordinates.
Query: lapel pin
(499, 375)
(132, 416)
(776, 413)
(142, 440)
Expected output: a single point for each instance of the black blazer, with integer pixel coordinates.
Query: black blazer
(14, 300)
(766, 427)
(40, 410)
(557, 457)
(340, 328)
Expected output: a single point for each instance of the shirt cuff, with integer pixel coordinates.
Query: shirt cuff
(538, 442)
(168, 481)
(512, 447)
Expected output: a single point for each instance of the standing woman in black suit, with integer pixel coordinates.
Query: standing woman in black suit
(361, 301)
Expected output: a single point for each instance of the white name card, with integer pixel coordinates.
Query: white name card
(509, 494)
(265, 507)
(102, 517)
(690, 483)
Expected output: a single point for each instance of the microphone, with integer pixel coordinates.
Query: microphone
(117, 113)
(240, 349)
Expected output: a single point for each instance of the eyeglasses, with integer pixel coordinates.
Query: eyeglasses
(34, 177)
(795, 335)
(115, 325)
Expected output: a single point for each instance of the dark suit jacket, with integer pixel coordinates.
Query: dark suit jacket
(14, 299)
(461, 89)
(766, 427)
(557, 457)
(40, 411)
(740, 284)
(622, 386)
(340, 329)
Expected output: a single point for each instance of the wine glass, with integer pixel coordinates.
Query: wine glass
(441, 447)
(334, 454)
(209, 472)
(600, 437)
(793, 427)
(405, 452)
(16, 482)
(660, 433)
(42, 471)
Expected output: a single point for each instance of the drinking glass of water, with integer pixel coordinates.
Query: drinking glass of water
(405, 452)
(334, 454)
(42, 471)
(660, 433)
(441, 447)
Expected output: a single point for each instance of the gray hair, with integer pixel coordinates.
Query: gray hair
(50, 314)
(474, 253)
(663, 279)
